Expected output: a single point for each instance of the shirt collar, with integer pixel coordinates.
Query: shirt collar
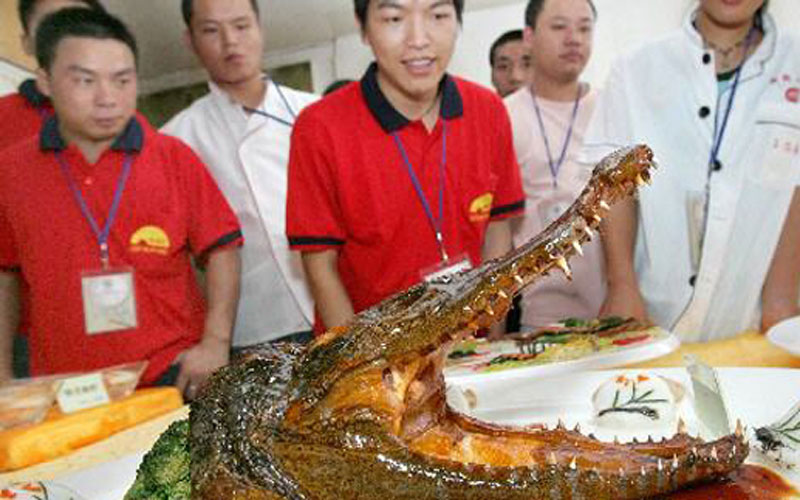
(30, 92)
(392, 120)
(755, 63)
(131, 138)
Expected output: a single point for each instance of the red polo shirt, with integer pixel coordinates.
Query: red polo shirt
(351, 190)
(170, 209)
(22, 114)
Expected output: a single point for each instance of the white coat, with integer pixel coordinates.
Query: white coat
(248, 154)
(665, 94)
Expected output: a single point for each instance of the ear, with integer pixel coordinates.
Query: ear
(527, 36)
(26, 41)
(43, 82)
(361, 30)
(187, 40)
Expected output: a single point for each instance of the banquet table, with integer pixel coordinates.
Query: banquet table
(749, 349)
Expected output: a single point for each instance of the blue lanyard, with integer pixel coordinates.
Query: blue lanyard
(436, 222)
(719, 131)
(555, 167)
(101, 234)
(273, 117)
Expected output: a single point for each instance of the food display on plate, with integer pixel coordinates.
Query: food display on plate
(28, 401)
(361, 412)
(590, 340)
(641, 401)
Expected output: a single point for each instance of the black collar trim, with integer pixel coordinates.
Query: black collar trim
(30, 92)
(131, 139)
(392, 120)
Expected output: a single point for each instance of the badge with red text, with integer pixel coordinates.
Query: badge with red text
(109, 300)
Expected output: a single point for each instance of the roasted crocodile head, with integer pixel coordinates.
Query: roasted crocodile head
(361, 412)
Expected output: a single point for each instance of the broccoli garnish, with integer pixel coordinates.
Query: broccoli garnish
(164, 472)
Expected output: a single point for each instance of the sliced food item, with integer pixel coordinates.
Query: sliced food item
(640, 401)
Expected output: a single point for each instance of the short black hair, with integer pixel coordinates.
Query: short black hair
(81, 23)
(508, 36)
(26, 8)
(361, 10)
(535, 7)
(187, 9)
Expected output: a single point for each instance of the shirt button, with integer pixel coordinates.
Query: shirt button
(706, 58)
(704, 111)
(88, 181)
(693, 280)
(717, 166)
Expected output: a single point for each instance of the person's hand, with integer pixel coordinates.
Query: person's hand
(625, 302)
(776, 311)
(198, 363)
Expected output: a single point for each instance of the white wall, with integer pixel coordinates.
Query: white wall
(10, 77)
(621, 25)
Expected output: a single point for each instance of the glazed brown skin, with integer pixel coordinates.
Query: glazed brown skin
(361, 412)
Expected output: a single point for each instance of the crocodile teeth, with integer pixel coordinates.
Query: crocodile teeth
(577, 246)
(604, 205)
(551, 459)
(597, 218)
(714, 453)
(588, 232)
(681, 426)
(519, 279)
(561, 262)
(502, 294)
(489, 311)
(675, 461)
(739, 430)
(574, 464)
(660, 465)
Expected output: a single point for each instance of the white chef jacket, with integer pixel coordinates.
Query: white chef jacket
(665, 94)
(248, 154)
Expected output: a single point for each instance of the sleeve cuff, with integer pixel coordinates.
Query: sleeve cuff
(508, 210)
(232, 238)
(314, 243)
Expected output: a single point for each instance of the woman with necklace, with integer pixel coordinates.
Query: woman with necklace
(710, 249)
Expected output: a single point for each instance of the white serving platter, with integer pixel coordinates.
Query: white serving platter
(596, 361)
(786, 335)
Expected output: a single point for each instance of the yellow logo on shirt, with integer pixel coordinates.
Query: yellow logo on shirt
(481, 208)
(150, 239)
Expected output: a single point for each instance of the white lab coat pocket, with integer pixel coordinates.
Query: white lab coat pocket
(776, 159)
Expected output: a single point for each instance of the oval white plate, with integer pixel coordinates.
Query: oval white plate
(786, 335)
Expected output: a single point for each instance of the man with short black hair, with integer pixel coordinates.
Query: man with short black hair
(241, 130)
(407, 175)
(99, 215)
(23, 112)
(548, 117)
(510, 61)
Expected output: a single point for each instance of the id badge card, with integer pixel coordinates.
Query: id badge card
(695, 223)
(109, 300)
(452, 266)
